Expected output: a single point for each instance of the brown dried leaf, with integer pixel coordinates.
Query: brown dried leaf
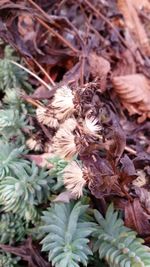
(144, 197)
(26, 26)
(136, 218)
(102, 180)
(64, 197)
(40, 160)
(126, 64)
(129, 9)
(118, 138)
(100, 68)
(28, 252)
(134, 91)
(42, 93)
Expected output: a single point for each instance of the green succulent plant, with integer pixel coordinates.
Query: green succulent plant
(67, 234)
(11, 162)
(12, 123)
(23, 192)
(56, 172)
(6, 260)
(118, 244)
(10, 75)
(12, 228)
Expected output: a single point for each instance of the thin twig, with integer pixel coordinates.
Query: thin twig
(44, 71)
(50, 29)
(130, 150)
(99, 14)
(142, 14)
(28, 99)
(32, 74)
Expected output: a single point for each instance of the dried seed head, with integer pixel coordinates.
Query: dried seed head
(73, 179)
(63, 103)
(69, 124)
(47, 117)
(64, 142)
(34, 144)
(91, 125)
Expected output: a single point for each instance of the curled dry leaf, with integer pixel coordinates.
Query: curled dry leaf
(28, 252)
(129, 10)
(26, 26)
(134, 91)
(100, 67)
(144, 197)
(40, 160)
(136, 218)
(64, 197)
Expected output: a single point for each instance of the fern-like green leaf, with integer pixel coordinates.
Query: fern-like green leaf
(117, 244)
(67, 235)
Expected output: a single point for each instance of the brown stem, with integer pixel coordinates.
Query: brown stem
(35, 103)
(51, 30)
(44, 71)
(58, 36)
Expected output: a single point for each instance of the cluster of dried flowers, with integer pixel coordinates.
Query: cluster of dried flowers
(85, 132)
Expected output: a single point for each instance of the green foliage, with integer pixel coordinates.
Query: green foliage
(10, 160)
(12, 98)
(6, 260)
(12, 228)
(57, 171)
(118, 244)
(12, 123)
(23, 192)
(67, 235)
(10, 75)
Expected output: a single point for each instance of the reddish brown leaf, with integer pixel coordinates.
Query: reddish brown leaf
(136, 218)
(102, 180)
(134, 92)
(99, 67)
(42, 93)
(144, 197)
(64, 197)
(28, 252)
(129, 10)
(40, 160)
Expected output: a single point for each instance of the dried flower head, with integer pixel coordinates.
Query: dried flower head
(63, 103)
(69, 124)
(64, 141)
(34, 144)
(73, 179)
(47, 117)
(91, 125)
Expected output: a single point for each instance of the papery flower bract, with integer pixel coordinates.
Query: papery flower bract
(63, 103)
(47, 117)
(34, 144)
(69, 124)
(64, 141)
(73, 179)
(91, 125)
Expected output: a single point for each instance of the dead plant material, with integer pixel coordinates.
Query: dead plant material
(134, 92)
(100, 67)
(28, 252)
(136, 218)
(129, 10)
